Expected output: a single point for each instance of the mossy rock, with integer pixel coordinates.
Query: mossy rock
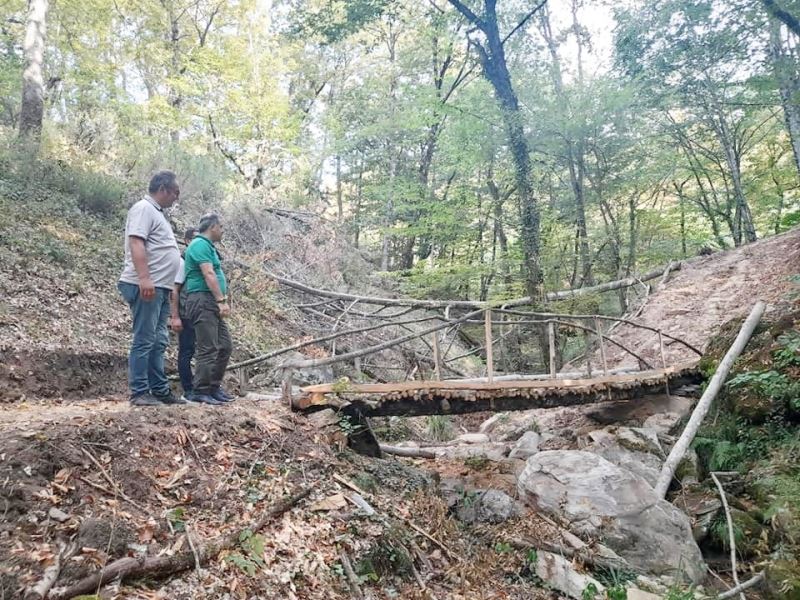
(751, 405)
(783, 580)
(749, 534)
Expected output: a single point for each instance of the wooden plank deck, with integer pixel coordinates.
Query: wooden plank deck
(416, 398)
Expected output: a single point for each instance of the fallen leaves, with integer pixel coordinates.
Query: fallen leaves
(335, 502)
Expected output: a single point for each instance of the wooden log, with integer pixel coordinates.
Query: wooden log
(161, 566)
(753, 581)
(408, 452)
(701, 410)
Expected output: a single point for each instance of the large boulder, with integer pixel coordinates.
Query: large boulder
(603, 501)
(635, 449)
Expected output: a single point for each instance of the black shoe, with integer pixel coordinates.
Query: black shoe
(145, 399)
(170, 398)
(205, 399)
(221, 395)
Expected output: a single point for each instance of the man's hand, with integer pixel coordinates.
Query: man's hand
(147, 290)
(176, 324)
(225, 310)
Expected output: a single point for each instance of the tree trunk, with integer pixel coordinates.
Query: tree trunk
(495, 69)
(576, 164)
(744, 229)
(32, 108)
(788, 86)
(339, 200)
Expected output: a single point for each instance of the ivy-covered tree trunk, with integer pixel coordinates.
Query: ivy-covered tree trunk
(495, 69)
(32, 109)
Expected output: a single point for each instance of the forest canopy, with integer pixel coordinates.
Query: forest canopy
(473, 149)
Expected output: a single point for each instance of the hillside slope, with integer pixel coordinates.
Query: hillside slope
(64, 330)
(709, 291)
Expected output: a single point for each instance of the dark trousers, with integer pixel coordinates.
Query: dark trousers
(212, 340)
(186, 343)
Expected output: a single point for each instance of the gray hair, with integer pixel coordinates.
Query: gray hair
(207, 221)
(165, 179)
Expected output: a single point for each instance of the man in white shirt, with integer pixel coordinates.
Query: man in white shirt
(152, 260)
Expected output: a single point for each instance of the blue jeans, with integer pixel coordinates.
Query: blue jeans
(150, 340)
(185, 354)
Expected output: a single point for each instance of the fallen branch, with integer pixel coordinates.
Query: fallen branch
(408, 452)
(731, 536)
(701, 410)
(325, 338)
(320, 362)
(352, 578)
(583, 554)
(49, 577)
(160, 566)
(114, 485)
(665, 277)
(550, 296)
(745, 586)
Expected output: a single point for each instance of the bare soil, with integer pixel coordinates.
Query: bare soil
(136, 482)
(709, 291)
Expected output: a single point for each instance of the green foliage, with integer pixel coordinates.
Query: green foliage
(439, 428)
(531, 557)
(615, 581)
(177, 518)
(252, 556)
(503, 547)
(590, 592)
(348, 426)
(676, 592)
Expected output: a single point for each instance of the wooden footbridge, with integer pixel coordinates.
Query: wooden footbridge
(415, 398)
(438, 395)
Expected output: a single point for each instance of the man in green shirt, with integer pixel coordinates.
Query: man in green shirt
(207, 307)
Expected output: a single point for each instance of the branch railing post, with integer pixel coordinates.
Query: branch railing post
(286, 386)
(551, 342)
(487, 331)
(663, 357)
(602, 345)
(437, 357)
(243, 380)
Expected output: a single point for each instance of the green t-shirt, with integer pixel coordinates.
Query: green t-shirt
(202, 250)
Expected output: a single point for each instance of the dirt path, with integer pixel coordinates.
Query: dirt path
(709, 291)
(25, 415)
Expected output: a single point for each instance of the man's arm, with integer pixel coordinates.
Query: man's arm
(211, 281)
(146, 288)
(175, 308)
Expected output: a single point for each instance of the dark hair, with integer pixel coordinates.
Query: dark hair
(207, 221)
(189, 233)
(165, 179)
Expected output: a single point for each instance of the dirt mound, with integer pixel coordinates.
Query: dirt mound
(709, 291)
(105, 481)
